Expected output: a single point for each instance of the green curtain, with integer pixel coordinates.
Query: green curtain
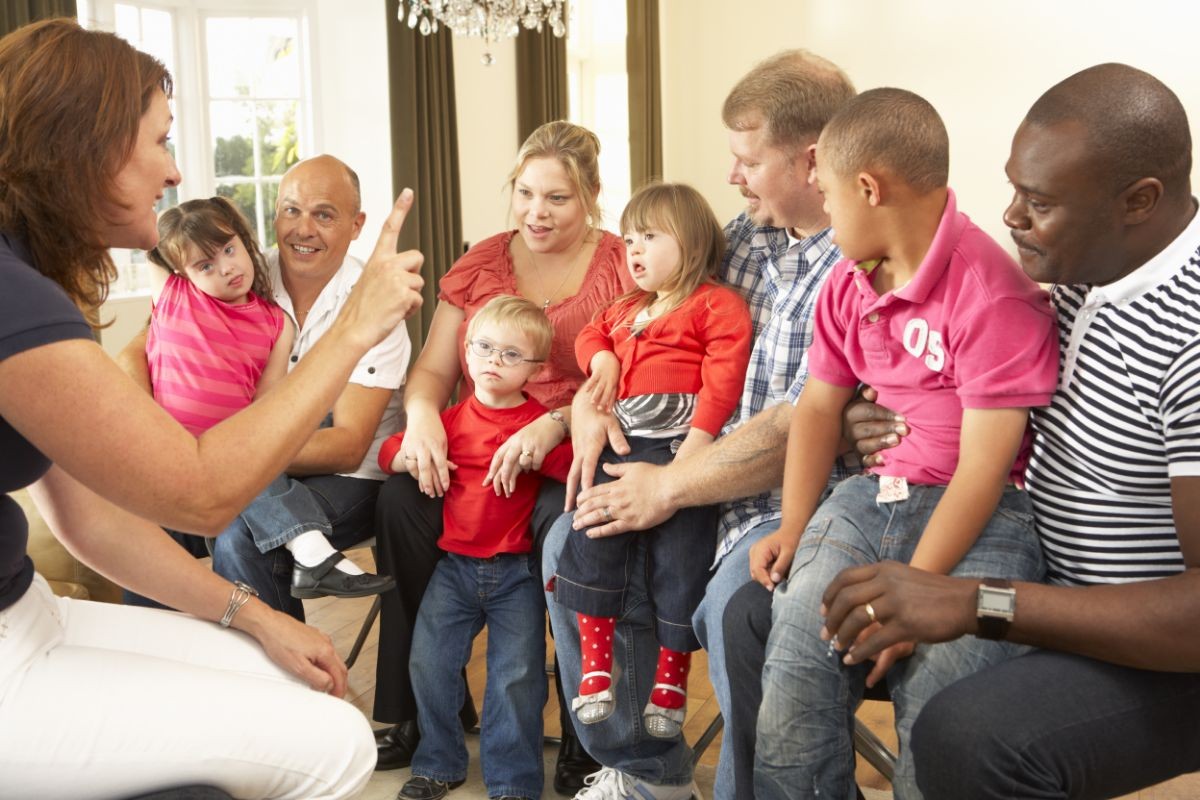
(425, 153)
(541, 80)
(645, 92)
(15, 13)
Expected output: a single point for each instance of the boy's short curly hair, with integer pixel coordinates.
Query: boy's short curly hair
(891, 130)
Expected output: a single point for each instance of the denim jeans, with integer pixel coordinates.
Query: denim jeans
(348, 504)
(283, 511)
(593, 574)
(730, 575)
(804, 746)
(1054, 725)
(465, 594)
(621, 741)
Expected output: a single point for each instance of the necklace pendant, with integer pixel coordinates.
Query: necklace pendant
(546, 305)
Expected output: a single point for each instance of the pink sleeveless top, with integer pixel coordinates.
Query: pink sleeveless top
(205, 355)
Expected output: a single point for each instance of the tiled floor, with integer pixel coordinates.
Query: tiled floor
(341, 619)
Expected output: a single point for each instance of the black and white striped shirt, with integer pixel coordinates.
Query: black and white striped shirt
(1124, 421)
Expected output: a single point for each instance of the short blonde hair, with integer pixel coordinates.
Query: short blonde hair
(892, 130)
(577, 150)
(793, 94)
(519, 314)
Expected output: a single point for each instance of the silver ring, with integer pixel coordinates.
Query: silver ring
(410, 458)
(608, 517)
(870, 609)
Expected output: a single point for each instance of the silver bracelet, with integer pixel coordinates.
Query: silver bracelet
(558, 417)
(242, 592)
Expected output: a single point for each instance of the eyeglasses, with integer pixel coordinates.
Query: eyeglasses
(508, 356)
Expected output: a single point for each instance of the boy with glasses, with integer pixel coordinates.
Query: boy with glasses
(486, 576)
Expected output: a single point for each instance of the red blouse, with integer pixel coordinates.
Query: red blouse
(486, 270)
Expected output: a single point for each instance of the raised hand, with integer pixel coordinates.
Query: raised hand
(389, 290)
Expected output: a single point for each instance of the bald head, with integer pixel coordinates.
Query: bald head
(326, 169)
(1136, 126)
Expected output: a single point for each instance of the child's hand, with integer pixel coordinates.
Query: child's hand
(771, 558)
(886, 657)
(601, 387)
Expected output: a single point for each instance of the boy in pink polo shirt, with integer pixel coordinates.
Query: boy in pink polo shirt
(932, 313)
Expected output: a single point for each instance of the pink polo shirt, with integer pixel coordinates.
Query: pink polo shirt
(970, 330)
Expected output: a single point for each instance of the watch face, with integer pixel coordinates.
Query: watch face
(1000, 602)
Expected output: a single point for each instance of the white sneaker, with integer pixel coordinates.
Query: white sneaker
(610, 784)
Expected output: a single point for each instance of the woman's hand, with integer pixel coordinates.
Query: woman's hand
(389, 290)
(424, 452)
(523, 452)
(601, 387)
(297, 648)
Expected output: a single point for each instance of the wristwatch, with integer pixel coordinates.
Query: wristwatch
(994, 608)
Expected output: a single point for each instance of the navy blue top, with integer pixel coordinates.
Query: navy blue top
(34, 311)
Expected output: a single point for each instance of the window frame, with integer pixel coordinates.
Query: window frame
(192, 132)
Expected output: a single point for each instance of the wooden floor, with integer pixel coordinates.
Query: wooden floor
(341, 619)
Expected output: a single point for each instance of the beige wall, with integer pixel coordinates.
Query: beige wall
(353, 121)
(981, 64)
(486, 100)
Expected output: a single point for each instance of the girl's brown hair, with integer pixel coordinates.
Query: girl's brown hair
(207, 225)
(681, 211)
(71, 102)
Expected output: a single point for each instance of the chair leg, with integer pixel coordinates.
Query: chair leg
(707, 737)
(873, 750)
(363, 632)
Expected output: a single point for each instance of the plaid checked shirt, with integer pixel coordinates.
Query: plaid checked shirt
(780, 284)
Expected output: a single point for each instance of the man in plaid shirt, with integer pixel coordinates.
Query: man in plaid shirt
(779, 251)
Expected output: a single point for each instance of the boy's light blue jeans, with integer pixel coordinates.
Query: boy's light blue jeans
(463, 595)
(804, 743)
(621, 741)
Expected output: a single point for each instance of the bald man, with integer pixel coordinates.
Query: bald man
(317, 215)
(1109, 701)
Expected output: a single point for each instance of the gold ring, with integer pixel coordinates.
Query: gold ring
(870, 612)
(526, 454)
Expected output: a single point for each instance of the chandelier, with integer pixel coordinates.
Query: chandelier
(491, 19)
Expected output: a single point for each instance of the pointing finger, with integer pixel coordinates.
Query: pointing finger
(389, 236)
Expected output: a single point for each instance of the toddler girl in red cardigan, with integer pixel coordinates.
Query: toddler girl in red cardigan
(668, 359)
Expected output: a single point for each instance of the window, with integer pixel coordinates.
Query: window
(598, 90)
(242, 100)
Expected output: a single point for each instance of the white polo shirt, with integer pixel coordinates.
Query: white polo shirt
(383, 367)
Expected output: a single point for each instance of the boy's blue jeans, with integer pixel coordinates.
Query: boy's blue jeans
(594, 574)
(463, 595)
(804, 742)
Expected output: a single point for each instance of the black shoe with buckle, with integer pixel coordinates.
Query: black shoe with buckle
(421, 788)
(573, 765)
(325, 580)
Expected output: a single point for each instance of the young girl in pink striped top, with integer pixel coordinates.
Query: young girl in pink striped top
(217, 340)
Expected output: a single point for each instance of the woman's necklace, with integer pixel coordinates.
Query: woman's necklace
(537, 271)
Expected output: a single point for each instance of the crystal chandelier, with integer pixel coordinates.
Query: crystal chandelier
(492, 19)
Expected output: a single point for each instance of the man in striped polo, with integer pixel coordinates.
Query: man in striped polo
(1110, 702)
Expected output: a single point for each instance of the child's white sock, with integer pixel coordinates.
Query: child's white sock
(311, 548)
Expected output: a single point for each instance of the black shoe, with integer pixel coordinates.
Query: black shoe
(418, 788)
(325, 580)
(395, 750)
(573, 765)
